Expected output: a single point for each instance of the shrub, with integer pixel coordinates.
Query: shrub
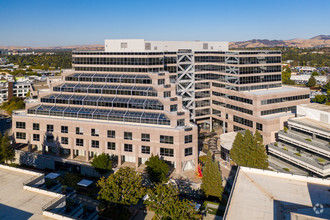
(276, 144)
(285, 129)
(320, 160)
(286, 169)
(308, 139)
(284, 148)
(298, 154)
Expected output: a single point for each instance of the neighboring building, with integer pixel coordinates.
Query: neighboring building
(306, 142)
(3, 52)
(305, 69)
(303, 79)
(263, 194)
(10, 89)
(24, 195)
(139, 90)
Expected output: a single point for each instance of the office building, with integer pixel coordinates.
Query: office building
(304, 144)
(139, 98)
(11, 89)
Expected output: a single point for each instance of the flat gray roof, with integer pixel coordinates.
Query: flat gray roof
(317, 106)
(17, 203)
(283, 89)
(312, 123)
(263, 194)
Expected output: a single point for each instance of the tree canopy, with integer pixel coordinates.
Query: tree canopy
(157, 169)
(124, 187)
(248, 150)
(164, 201)
(7, 151)
(320, 99)
(315, 73)
(102, 163)
(311, 82)
(14, 103)
(211, 180)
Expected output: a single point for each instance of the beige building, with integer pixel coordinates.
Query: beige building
(139, 98)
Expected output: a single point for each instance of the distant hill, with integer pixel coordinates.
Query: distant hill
(317, 41)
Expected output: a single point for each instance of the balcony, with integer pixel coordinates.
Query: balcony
(301, 161)
(300, 141)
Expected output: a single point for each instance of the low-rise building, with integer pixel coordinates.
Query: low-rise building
(305, 142)
(11, 89)
(263, 194)
(303, 79)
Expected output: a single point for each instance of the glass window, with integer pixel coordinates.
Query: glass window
(50, 128)
(20, 125)
(95, 132)
(173, 108)
(128, 147)
(167, 94)
(36, 126)
(145, 137)
(20, 135)
(95, 144)
(161, 81)
(259, 126)
(111, 134)
(188, 151)
(167, 152)
(64, 140)
(64, 129)
(36, 137)
(180, 122)
(128, 135)
(79, 142)
(166, 139)
(111, 146)
(145, 149)
(187, 139)
(79, 130)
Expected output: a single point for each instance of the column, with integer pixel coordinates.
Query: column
(136, 152)
(71, 142)
(86, 143)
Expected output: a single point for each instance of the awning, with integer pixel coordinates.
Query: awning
(85, 183)
(52, 175)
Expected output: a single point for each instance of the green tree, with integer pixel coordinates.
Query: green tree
(249, 150)
(320, 99)
(13, 104)
(164, 201)
(102, 163)
(327, 86)
(7, 152)
(315, 73)
(124, 187)
(211, 180)
(311, 82)
(157, 169)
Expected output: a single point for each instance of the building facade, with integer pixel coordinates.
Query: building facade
(305, 142)
(10, 89)
(140, 90)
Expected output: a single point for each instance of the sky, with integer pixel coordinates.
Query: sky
(81, 22)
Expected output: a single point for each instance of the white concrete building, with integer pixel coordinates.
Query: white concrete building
(262, 194)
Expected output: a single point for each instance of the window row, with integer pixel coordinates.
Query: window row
(118, 60)
(119, 69)
(243, 121)
(284, 99)
(279, 110)
(101, 114)
(110, 78)
(106, 89)
(114, 102)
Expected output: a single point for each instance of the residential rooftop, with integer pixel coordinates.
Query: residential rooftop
(263, 194)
